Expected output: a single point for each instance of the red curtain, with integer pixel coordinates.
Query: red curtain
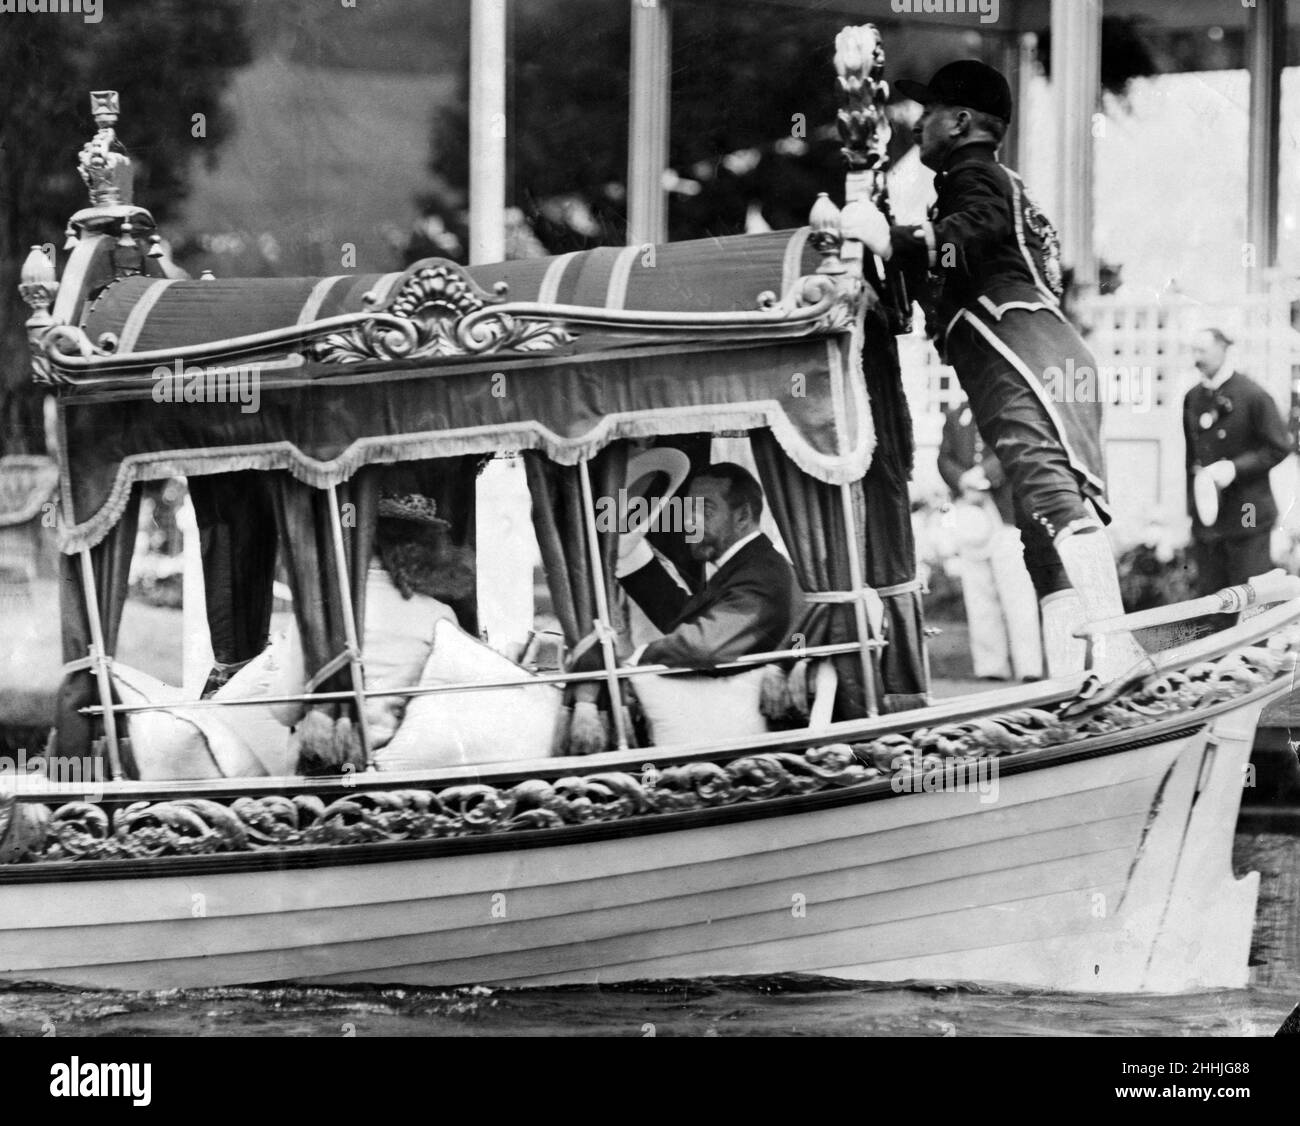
(238, 542)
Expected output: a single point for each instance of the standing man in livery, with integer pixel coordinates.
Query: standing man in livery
(994, 287)
(1234, 436)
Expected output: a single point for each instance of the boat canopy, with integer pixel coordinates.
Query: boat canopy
(291, 404)
(323, 404)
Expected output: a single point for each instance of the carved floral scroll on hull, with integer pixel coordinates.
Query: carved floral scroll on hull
(33, 832)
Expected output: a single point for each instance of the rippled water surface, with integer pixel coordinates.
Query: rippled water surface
(774, 1006)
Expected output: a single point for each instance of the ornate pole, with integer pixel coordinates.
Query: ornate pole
(865, 132)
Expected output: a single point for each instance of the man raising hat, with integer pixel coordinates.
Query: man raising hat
(987, 263)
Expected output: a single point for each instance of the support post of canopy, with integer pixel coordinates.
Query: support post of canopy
(858, 583)
(1265, 56)
(349, 623)
(1076, 93)
(487, 131)
(99, 657)
(647, 212)
(603, 629)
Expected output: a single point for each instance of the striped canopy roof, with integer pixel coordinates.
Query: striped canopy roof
(323, 420)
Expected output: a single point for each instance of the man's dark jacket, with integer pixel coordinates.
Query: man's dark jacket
(1247, 430)
(997, 275)
(991, 242)
(748, 606)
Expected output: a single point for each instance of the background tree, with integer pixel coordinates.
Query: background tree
(568, 121)
(169, 59)
(761, 151)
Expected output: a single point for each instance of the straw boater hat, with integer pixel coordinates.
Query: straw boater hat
(413, 507)
(654, 474)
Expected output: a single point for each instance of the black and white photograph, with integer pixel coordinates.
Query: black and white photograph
(650, 519)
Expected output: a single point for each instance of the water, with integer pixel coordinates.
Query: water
(773, 1006)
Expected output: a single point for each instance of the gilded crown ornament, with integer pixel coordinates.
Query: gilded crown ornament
(865, 131)
(863, 126)
(103, 162)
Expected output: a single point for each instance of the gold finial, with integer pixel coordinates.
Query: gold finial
(103, 162)
(38, 284)
(827, 236)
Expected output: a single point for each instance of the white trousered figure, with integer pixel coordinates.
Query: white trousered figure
(1001, 606)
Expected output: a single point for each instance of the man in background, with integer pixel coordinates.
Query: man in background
(1234, 436)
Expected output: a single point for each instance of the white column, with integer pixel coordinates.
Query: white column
(1076, 94)
(487, 131)
(647, 211)
(1019, 60)
(1265, 55)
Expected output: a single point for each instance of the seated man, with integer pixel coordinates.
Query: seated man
(747, 604)
(748, 601)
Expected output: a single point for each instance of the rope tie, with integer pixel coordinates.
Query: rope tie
(81, 664)
(866, 594)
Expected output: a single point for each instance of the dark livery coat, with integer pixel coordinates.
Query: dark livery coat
(748, 606)
(994, 311)
(1240, 423)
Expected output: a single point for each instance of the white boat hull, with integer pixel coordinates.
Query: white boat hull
(1104, 874)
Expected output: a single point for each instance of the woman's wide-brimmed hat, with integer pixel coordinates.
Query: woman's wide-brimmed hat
(413, 507)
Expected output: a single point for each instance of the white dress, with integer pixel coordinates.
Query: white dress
(397, 643)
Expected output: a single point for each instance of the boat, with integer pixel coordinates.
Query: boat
(1068, 834)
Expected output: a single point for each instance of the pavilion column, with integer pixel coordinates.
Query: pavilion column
(647, 206)
(487, 131)
(1018, 57)
(1076, 94)
(1265, 56)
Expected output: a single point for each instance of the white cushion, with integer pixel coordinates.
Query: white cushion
(686, 709)
(178, 743)
(469, 728)
(257, 726)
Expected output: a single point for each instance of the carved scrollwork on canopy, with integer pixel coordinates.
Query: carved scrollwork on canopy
(427, 317)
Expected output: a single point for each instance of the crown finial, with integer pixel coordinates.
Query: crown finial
(103, 163)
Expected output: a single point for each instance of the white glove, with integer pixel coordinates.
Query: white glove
(974, 478)
(1222, 473)
(863, 221)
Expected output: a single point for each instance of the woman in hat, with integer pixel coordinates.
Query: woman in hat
(416, 571)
